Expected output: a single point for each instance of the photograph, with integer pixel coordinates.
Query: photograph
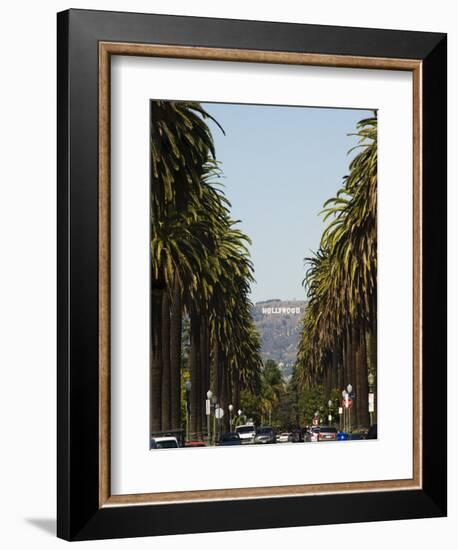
(251, 272)
(263, 274)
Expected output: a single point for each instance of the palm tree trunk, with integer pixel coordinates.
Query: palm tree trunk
(194, 370)
(364, 391)
(236, 393)
(175, 357)
(216, 368)
(229, 386)
(165, 392)
(203, 354)
(327, 382)
(199, 385)
(334, 359)
(156, 360)
(371, 352)
(228, 397)
(223, 397)
(348, 359)
(354, 343)
(205, 360)
(358, 381)
(340, 367)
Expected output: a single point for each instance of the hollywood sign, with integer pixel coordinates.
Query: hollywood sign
(281, 310)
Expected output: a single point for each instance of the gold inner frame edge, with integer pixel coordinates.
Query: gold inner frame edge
(106, 50)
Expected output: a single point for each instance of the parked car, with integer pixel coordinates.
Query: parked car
(195, 444)
(247, 433)
(265, 434)
(298, 436)
(327, 433)
(285, 437)
(356, 436)
(164, 443)
(344, 436)
(229, 439)
(372, 433)
(312, 434)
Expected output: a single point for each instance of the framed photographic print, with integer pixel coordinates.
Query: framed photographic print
(252, 274)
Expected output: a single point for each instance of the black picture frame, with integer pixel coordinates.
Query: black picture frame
(78, 511)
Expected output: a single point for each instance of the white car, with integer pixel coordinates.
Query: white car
(285, 437)
(167, 442)
(247, 433)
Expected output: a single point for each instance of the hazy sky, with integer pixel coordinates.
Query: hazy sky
(280, 165)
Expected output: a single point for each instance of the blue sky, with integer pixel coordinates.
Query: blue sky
(280, 165)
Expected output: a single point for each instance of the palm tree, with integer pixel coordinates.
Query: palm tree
(181, 144)
(200, 268)
(341, 281)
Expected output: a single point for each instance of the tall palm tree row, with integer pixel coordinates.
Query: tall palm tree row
(338, 338)
(200, 268)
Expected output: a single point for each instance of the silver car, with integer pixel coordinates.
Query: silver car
(265, 434)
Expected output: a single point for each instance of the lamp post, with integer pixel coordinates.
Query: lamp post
(349, 390)
(208, 413)
(238, 419)
(231, 408)
(214, 400)
(345, 397)
(371, 399)
(188, 387)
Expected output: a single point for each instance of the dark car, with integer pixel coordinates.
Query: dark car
(166, 442)
(298, 436)
(372, 433)
(344, 436)
(265, 434)
(356, 436)
(228, 439)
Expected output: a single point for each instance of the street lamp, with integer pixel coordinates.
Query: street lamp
(188, 387)
(208, 413)
(231, 408)
(238, 418)
(371, 382)
(214, 400)
(349, 390)
(345, 408)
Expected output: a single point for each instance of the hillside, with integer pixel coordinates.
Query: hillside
(279, 324)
